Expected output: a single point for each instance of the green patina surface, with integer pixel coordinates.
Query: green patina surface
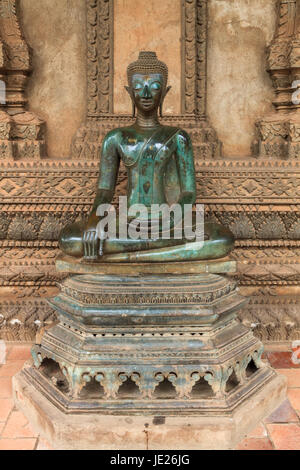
(160, 169)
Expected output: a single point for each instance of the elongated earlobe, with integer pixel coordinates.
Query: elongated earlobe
(162, 101)
(161, 109)
(127, 88)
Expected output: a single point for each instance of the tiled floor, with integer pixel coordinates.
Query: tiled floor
(280, 431)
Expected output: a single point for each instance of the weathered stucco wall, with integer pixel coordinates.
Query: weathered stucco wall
(55, 30)
(239, 88)
(154, 26)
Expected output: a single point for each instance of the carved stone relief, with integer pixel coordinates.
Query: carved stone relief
(21, 132)
(258, 199)
(278, 135)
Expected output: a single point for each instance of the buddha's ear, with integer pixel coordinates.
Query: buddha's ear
(162, 100)
(128, 89)
(167, 90)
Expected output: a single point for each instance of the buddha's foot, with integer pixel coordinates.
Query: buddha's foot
(218, 243)
(195, 251)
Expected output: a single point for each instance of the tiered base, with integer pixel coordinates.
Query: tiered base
(120, 432)
(150, 360)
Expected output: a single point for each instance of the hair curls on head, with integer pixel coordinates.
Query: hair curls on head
(148, 63)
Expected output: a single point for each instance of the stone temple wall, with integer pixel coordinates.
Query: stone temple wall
(232, 64)
(239, 86)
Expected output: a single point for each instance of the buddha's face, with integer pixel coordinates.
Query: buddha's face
(147, 91)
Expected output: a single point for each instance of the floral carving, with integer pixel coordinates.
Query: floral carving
(243, 228)
(294, 232)
(51, 228)
(22, 229)
(272, 228)
(4, 224)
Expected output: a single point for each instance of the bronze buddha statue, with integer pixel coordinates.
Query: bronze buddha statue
(160, 169)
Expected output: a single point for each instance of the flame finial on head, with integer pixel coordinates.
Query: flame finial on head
(147, 63)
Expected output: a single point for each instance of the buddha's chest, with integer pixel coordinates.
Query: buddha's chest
(143, 156)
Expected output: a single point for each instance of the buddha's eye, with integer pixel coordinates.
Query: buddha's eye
(155, 86)
(138, 86)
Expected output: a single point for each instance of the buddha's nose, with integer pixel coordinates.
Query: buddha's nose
(146, 92)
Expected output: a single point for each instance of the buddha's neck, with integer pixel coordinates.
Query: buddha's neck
(147, 121)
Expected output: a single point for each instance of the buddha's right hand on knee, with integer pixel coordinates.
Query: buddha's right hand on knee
(90, 245)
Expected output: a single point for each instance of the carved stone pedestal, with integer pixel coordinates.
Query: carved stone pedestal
(165, 349)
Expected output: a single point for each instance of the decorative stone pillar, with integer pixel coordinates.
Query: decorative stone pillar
(279, 133)
(100, 117)
(21, 132)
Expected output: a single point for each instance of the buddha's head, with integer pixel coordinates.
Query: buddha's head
(147, 80)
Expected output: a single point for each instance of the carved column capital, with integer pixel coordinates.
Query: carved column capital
(278, 133)
(21, 132)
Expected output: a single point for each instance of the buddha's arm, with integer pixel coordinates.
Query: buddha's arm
(186, 169)
(109, 168)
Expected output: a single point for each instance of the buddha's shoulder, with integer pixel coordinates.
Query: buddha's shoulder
(176, 131)
(181, 135)
(117, 134)
(113, 135)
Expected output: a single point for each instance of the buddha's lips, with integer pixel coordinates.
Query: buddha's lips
(146, 102)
